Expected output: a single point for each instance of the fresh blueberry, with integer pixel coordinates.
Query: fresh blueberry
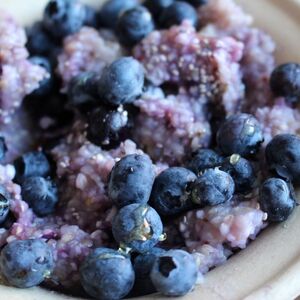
(204, 159)
(283, 156)
(285, 82)
(197, 3)
(133, 25)
(26, 263)
(277, 199)
(212, 188)
(242, 172)
(64, 17)
(240, 134)
(138, 227)
(106, 127)
(31, 164)
(131, 180)
(170, 191)
(174, 273)
(90, 17)
(4, 205)
(112, 9)
(107, 274)
(41, 194)
(3, 148)
(121, 82)
(176, 13)
(157, 6)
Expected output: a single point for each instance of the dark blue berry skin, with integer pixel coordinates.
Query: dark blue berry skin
(133, 25)
(138, 227)
(283, 156)
(31, 164)
(176, 13)
(197, 3)
(277, 199)
(170, 191)
(285, 82)
(107, 274)
(3, 148)
(121, 82)
(212, 188)
(90, 16)
(204, 159)
(41, 194)
(240, 134)
(112, 9)
(131, 180)
(174, 273)
(4, 205)
(25, 263)
(242, 172)
(63, 17)
(157, 6)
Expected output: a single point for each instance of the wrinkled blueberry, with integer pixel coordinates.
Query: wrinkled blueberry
(131, 180)
(4, 205)
(197, 3)
(137, 226)
(3, 148)
(212, 188)
(204, 159)
(107, 274)
(64, 17)
(283, 156)
(170, 191)
(90, 16)
(157, 6)
(242, 172)
(26, 263)
(174, 273)
(176, 13)
(277, 199)
(240, 134)
(134, 25)
(41, 194)
(121, 82)
(285, 81)
(31, 164)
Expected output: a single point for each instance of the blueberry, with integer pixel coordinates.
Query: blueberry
(176, 13)
(283, 156)
(106, 126)
(157, 6)
(121, 82)
(212, 188)
(31, 164)
(26, 263)
(3, 148)
(174, 273)
(170, 191)
(133, 25)
(112, 9)
(90, 17)
(242, 172)
(41, 194)
(197, 3)
(107, 274)
(277, 199)
(4, 205)
(64, 17)
(285, 81)
(204, 159)
(240, 134)
(137, 226)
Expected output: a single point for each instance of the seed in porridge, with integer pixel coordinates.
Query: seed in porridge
(106, 127)
(170, 191)
(157, 6)
(240, 134)
(3, 148)
(63, 17)
(198, 3)
(176, 13)
(277, 199)
(26, 263)
(213, 187)
(121, 82)
(242, 172)
(138, 227)
(174, 273)
(131, 180)
(283, 156)
(285, 82)
(107, 274)
(91, 16)
(133, 25)
(30, 164)
(4, 208)
(204, 159)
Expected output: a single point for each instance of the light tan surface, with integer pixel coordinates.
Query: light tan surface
(270, 267)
